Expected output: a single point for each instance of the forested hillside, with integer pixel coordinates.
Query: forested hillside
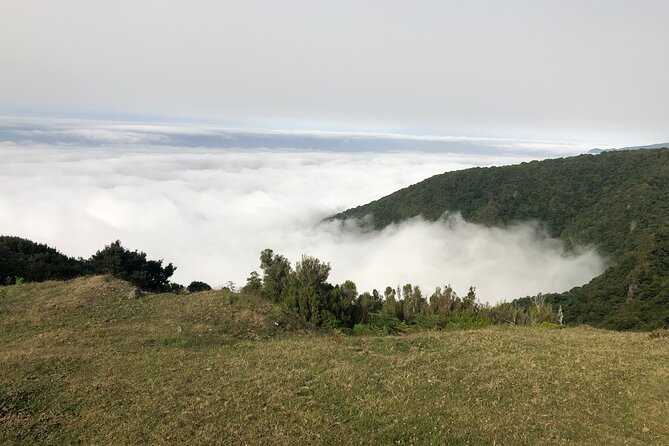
(618, 201)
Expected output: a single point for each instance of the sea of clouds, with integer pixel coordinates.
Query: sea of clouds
(211, 205)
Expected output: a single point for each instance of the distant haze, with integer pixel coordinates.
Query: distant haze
(212, 209)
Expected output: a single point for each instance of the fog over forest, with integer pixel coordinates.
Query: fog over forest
(210, 199)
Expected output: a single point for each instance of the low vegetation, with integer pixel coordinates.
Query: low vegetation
(88, 362)
(305, 293)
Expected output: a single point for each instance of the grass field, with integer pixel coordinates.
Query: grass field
(81, 363)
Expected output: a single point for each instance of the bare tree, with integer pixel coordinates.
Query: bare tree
(539, 300)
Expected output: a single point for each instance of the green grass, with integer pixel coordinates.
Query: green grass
(80, 363)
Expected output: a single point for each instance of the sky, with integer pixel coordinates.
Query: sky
(589, 71)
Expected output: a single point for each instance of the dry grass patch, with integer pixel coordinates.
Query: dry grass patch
(208, 369)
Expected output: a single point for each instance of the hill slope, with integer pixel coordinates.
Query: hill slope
(81, 363)
(617, 201)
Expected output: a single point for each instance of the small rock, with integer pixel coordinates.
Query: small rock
(135, 293)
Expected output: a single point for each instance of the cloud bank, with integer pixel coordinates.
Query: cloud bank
(211, 210)
(501, 263)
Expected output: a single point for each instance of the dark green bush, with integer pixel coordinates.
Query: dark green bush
(196, 287)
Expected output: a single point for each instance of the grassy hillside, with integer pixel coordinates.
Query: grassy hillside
(81, 362)
(617, 201)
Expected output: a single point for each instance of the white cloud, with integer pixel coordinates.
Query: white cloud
(211, 211)
(502, 263)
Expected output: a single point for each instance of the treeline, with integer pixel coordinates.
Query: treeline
(25, 260)
(306, 295)
(303, 291)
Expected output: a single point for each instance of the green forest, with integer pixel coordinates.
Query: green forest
(617, 201)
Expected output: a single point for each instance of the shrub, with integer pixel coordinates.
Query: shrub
(114, 259)
(385, 321)
(366, 330)
(468, 320)
(196, 287)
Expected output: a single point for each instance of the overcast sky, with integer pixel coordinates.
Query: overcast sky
(591, 71)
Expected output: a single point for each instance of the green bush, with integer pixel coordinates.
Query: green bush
(386, 322)
(426, 321)
(467, 320)
(114, 259)
(197, 287)
(367, 330)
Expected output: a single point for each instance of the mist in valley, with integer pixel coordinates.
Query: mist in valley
(211, 210)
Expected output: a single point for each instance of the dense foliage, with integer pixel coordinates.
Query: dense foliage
(616, 200)
(132, 266)
(35, 262)
(304, 292)
(196, 287)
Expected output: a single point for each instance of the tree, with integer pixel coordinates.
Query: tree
(349, 291)
(469, 301)
(363, 308)
(414, 302)
(443, 301)
(132, 266)
(389, 302)
(35, 262)
(276, 273)
(389, 295)
(309, 281)
(176, 288)
(253, 282)
(616, 201)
